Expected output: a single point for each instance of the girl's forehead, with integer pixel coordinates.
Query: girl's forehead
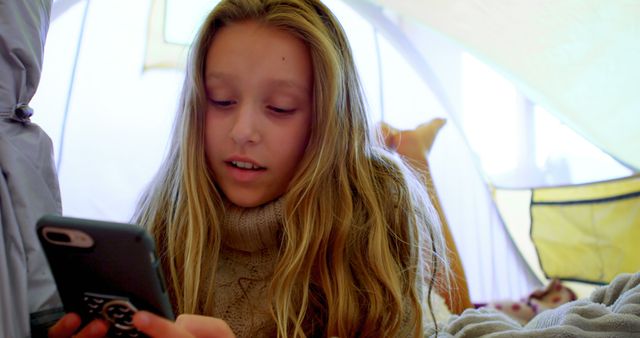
(251, 49)
(258, 29)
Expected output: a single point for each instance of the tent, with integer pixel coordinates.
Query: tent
(121, 84)
(520, 77)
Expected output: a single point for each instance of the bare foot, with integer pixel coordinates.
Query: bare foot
(413, 143)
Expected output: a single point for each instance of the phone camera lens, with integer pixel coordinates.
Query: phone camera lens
(58, 237)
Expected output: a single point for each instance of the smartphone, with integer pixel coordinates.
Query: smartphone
(104, 270)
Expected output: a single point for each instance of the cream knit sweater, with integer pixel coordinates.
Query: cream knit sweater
(250, 238)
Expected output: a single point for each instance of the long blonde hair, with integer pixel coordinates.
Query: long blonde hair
(357, 223)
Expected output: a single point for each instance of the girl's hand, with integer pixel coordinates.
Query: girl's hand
(186, 326)
(69, 323)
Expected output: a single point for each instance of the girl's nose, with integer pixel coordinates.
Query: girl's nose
(245, 127)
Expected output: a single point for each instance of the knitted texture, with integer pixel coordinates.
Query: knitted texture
(249, 253)
(248, 256)
(252, 229)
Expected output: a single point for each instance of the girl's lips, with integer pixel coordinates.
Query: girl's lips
(244, 175)
(245, 165)
(243, 162)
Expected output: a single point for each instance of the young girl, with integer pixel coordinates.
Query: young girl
(277, 212)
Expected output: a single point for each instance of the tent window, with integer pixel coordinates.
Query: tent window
(566, 157)
(180, 26)
(541, 151)
(394, 91)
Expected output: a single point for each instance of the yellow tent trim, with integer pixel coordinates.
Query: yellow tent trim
(588, 233)
(590, 191)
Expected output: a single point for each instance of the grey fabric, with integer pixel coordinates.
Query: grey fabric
(23, 28)
(28, 185)
(28, 189)
(611, 311)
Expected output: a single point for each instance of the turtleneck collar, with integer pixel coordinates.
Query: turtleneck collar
(252, 229)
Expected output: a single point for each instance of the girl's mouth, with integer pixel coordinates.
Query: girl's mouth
(245, 165)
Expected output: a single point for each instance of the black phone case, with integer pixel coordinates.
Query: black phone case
(118, 275)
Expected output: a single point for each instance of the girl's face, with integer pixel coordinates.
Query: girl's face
(258, 81)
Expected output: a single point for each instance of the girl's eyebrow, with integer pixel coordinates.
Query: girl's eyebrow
(288, 84)
(215, 75)
(275, 83)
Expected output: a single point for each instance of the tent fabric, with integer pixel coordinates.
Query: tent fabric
(161, 53)
(576, 58)
(28, 189)
(108, 92)
(560, 227)
(28, 185)
(23, 27)
(514, 209)
(116, 96)
(588, 233)
(555, 43)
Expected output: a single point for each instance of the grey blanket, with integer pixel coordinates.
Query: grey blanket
(610, 311)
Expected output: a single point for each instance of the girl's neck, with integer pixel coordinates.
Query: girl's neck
(252, 229)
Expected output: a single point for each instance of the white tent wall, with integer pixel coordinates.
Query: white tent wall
(494, 268)
(112, 138)
(118, 117)
(576, 58)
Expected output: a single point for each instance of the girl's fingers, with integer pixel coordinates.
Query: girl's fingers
(205, 327)
(70, 322)
(186, 326)
(96, 329)
(158, 327)
(65, 326)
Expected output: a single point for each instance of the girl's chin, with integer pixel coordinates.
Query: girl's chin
(245, 200)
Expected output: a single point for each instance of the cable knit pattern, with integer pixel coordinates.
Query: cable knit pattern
(250, 241)
(247, 259)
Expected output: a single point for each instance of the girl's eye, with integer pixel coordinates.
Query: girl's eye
(281, 110)
(221, 103)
